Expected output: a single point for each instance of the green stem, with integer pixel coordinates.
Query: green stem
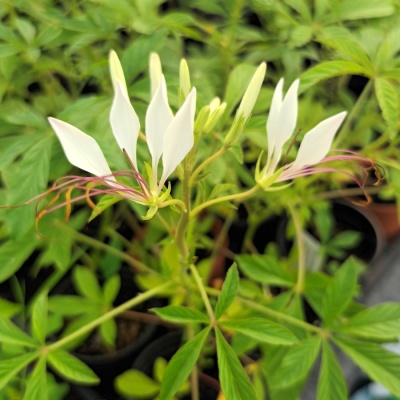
(140, 298)
(237, 197)
(205, 163)
(353, 114)
(203, 293)
(301, 247)
(173, 202)
(137, 265)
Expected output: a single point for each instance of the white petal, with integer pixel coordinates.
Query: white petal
(116, 72)
(155, 71)
(281, 121)
(158, 118)
(179, 137)
(124, 123)
(81, 149)
(317, 142)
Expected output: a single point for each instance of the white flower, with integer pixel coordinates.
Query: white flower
(280, 127)
(168, 137)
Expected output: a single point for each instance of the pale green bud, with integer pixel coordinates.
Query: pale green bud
(216, 113)
(155, 71)
(184, 81)
(252, 91)
(116, 71)
(246, 106)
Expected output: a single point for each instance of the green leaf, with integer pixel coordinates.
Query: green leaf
(105, 202)
(351, 49)
(37, 382)
(9, 309)
(181, 364)
(235, 383)
(136, 56)
(362, 9)
(340, 291)
(331, 382)
(381, 365)
(111, 289)
(329, 69)
(70, 305)
(39, 318)
(296, 363)
(108, 332)
(262, 330)
(181, 315)
(238, 81)
(71, 368)
(10, 367)
(265, 269)
(14, 253)
(25, 182)
(228, 291)
(388, 102)
(11, 334)
(87, 285)
(379, 322)
(134, 383)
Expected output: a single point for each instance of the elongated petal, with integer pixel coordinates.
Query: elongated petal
(179, 137)
(124, 123)
(158, 118)
(116, 72)
(155, 71)
(317, 142)
(80, 149)
(273, 115)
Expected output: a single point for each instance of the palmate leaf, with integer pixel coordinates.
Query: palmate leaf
(135, 383)
(340, 291)
(228, 291)
(71, 368)
(329, 69)
(181, 315)
(265, 269)
(361, 9)
(25, 182)
(235, 383)
(388, 100)
(262, 330)
(39, 318)
(381, 365)
(14, 253)
(11, 334)
(10, 367)
(181, 364)
(296, 363)
(37, 382)
(378, 322)
(331, 382)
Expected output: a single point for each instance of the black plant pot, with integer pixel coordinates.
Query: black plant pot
(347, 217)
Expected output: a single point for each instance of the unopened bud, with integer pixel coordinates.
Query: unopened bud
(252, 91)
(184, 81)
(246, 106)
(116, 71)
(155, 72)
(215, 114)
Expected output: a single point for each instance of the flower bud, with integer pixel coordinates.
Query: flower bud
(155, 71)
(246, 106)
(184, 81)
(116, 72)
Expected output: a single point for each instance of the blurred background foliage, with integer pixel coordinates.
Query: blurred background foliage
(54, 62)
